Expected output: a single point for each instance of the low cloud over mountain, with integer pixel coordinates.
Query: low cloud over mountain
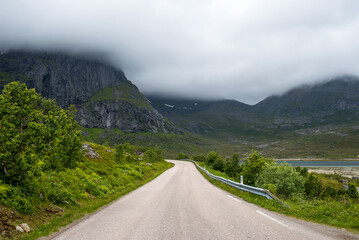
(245, 50)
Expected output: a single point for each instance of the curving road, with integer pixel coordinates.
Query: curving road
(182, 204)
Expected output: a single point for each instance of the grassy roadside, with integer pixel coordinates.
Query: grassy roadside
(337, 213)
(92, 185)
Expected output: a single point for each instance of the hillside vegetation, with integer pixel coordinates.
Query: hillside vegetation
(48, 178)
(315, 197)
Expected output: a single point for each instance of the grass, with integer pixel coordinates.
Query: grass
(282, 144)
(92, 185)
(126, 92)
(342, 213)
(6, 77)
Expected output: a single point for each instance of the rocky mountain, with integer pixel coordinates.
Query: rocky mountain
(101, 93)
(331, 102)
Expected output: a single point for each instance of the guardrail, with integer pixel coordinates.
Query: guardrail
(258, 191)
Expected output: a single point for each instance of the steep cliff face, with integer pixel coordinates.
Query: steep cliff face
(102, 94)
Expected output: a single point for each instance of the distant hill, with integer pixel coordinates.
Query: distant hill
(322, 99)
(320, 120)
(334, 101)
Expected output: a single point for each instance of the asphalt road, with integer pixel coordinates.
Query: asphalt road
(182, 204)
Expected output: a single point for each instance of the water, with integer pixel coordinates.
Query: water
(322, 163)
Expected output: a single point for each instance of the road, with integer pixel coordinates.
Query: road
(182, 204)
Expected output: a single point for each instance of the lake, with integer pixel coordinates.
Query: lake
(322, 163)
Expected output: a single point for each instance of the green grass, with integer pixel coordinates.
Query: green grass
(93, 184)
(6, 77)
(282, 144)
(342, 213)
(126, 92)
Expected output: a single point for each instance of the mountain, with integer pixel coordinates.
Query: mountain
(320, 120)
(321, 99)
(332, 101)
(101, 93)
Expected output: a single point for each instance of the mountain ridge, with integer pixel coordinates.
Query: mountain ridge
(85, 82)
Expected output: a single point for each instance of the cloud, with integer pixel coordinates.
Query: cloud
(244, 50)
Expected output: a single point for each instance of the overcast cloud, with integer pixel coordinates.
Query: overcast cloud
(238, 49)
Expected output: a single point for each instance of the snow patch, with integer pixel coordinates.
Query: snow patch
(167, 105)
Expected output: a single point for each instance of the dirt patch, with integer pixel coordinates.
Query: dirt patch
(7, 219)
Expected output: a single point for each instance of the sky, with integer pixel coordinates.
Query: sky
(235, 49)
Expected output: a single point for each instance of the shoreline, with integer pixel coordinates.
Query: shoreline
(315, 159)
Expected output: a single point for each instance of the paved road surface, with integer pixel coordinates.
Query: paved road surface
(181, 204)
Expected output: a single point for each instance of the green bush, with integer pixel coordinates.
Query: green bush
(182, 156)
(287, 181)
(352, 191)
(199, 158)
(219, 164)
(153, 155)
(4, 189)
(120, 154)
(17, 200)
(233, 167)
(212, 157)
(252, 166)
(313, 187)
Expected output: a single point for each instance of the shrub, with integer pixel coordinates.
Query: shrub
(153, 155)
(252, 166)
(352, 191)
(199, 158)
(313, 187)
(233, 167)
(4, 189)
(287, 181)
(219, 164)
(212, 157)
(182, 156)
(120, 154)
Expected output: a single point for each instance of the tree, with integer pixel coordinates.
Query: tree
(252, 166)
(219, 164)
(212, 157)
(35, 134)
(287, 181)
(232, 167)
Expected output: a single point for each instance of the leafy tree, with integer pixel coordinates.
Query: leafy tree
(35, 134)
(232, 167)
(212, 157)
(252, 166)
(287, 181)
(219, 164)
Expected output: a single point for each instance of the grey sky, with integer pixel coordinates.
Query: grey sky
(239, 49)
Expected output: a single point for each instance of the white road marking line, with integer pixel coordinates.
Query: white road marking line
(235, 199)
(275, 220)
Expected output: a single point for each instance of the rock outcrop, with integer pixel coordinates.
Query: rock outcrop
(101, 93)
